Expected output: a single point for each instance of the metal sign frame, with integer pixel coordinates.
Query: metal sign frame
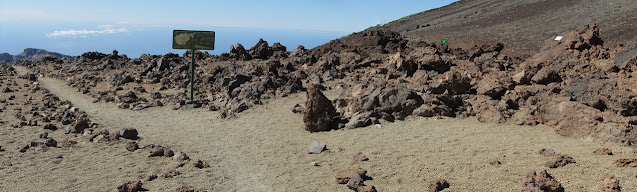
(193, 40)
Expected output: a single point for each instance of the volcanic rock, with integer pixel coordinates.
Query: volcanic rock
(319, 111)
(609, 184)
(298, 109)
(355, 181)
(128, 133)
(200, 164)
(156, 151)
(438, 185)
(151, 177)
(170, 174)
(180, 156)
(130, 186)
(367, 188)
(51, 143)
(315, 147)
(541, 181)
(626, 162)
(44, 135)
(79, 126)
(132, 146)
(547, 152)
(559, 161)
(603, 151)
(168, 152)
(50, 126)
(360, 157)
(343, 176)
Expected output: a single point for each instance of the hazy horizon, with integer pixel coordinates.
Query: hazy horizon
(133, 28)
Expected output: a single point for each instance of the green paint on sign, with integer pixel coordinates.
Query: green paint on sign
(443, 41)
(198, 40)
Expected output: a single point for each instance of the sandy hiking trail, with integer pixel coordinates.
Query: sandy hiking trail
(264, 149)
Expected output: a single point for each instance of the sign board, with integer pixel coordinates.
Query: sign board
(193, 40)
(443, 41)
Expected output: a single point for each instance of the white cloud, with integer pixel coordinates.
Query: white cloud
(102, 29)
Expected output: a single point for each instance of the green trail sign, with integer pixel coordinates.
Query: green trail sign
(193, 40)
(443, 41)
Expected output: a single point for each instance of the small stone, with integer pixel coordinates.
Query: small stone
(438, 185)
(360, 157)
(151, 177)
(170, 174)
(66, 143)
(44, 135)
(626, 162)
(495, 162)
(130, 186)
(50, 126)
(24, 149)
(559, 161)
(343, 176)
(315, 147)
(368, 188)
(128, 133)
(200, 164)
(314, 164)
(298, 108)
(355, 181)
(547, 152)
(603, 151)
(51, 143)
(156, 151)
(180, 156)
(132, 146)
(168, 152)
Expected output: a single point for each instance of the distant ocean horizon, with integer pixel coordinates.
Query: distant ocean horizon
(135, 40)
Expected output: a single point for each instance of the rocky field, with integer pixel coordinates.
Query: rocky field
(379, 111)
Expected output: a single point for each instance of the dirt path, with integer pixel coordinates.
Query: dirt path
(263, 149)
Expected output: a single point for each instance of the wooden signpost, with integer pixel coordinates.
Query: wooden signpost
(193, 40)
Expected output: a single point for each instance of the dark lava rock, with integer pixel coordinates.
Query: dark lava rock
(44, 135)
(559, 161)
(200, 164)
(50, 126)
(79, 126)
(51, 143)
(132, 146)
(130, 186)
(128, 133)
(438, 185)
(319, 111)
(542, 181)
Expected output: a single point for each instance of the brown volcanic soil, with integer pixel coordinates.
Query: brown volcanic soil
(522, 26)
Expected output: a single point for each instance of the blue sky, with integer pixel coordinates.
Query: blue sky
(70, 22)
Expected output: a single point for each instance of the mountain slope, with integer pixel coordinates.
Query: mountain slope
(31, 54)
(522, 26)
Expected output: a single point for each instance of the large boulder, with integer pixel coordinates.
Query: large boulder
(319, 111)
